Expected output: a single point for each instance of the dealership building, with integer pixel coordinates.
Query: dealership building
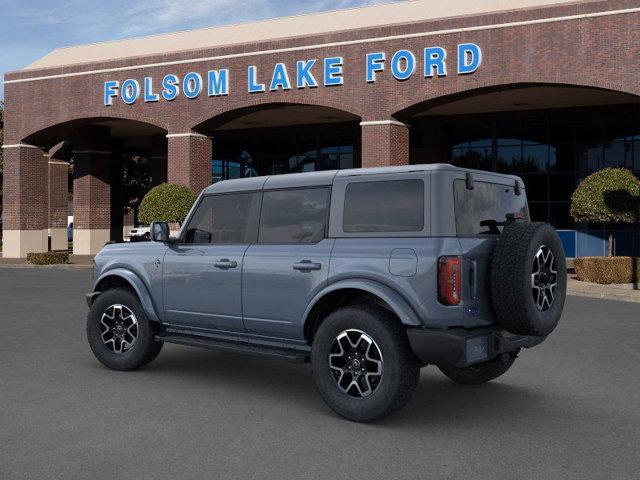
(544, 89)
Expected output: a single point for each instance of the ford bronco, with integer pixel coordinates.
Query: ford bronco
(369, 274)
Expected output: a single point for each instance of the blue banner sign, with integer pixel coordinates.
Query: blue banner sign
(309, 73)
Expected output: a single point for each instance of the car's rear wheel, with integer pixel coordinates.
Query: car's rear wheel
(362, 363)
(481, 372)
(119, 333)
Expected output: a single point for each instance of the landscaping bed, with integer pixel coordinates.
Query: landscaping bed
(607, 270)
(48, 258)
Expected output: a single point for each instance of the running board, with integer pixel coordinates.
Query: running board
(288, 354)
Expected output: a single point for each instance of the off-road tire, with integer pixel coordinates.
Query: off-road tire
(511, 278)
(400, 368)
(145, 347)
(481, 372)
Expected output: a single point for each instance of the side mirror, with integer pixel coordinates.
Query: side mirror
(160, 232)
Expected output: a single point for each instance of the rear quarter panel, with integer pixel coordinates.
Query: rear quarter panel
(369, 260)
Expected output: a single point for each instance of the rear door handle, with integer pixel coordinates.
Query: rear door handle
(225, 263)
(306, 265)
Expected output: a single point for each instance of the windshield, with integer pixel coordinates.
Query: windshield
(483, 210)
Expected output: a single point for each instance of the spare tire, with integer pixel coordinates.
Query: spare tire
(528, 278)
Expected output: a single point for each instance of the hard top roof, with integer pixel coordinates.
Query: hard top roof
(323, 178)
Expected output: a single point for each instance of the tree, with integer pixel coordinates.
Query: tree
(136, 181)
(611, 195)
(166, 202)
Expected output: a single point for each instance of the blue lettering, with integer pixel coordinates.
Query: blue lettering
(254, 87)
(218, 82)
(110, 92)
(280, 78)
(469, 58)
(375, 63)
(333, 71)
(170, 87)
(304, 77)
(149, 96)
(130, 91)
(192, 85)
(403, 64)
(434, 58)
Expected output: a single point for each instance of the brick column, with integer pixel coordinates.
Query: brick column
(25, 211)
(58, 191)
(189, 160)
(91, 200)
(384, 143)
(158, 160)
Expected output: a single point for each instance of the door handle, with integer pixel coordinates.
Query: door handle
(306, 266)
(225, 263)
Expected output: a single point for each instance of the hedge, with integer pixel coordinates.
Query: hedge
(607, 270)
(611, 195)
(166, 202)
(48, 258)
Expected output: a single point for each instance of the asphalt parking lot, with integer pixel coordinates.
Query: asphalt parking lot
(567, 409)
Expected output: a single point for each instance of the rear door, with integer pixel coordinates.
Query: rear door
(202, 275)
(289, 263)
(479, 211)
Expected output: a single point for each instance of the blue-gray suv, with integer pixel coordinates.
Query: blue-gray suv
(369, 274)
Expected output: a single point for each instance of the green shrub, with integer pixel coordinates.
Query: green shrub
(48, 258)
(166, 202)
(606, 270)
(611, 195)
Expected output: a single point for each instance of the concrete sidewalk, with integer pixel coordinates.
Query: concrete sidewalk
(622, 292)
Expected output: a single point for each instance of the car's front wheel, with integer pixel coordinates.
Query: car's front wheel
(362, 363)
(119, 333)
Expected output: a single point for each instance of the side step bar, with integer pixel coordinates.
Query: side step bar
(288, 354)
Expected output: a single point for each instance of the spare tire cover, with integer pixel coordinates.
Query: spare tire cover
(528, 278)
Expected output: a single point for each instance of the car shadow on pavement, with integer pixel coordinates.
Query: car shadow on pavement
(437, 400)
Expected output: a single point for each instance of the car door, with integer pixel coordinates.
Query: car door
(202, 273)
(289, 263)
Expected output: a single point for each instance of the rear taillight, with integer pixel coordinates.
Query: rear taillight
(449, 280)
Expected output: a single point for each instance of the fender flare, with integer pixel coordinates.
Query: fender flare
(138, 286)
(398, 304)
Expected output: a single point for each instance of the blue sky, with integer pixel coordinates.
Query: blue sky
(30, 29)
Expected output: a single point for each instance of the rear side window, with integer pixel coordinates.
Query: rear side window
(294, 216)
(385, 206)
(481, 210)
(228, 218)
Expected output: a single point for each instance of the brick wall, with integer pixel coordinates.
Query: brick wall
(599, 52)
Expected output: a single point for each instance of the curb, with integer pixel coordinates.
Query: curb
(63, 266)
(578, 288)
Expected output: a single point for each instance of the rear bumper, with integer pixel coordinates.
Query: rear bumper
(461, 347)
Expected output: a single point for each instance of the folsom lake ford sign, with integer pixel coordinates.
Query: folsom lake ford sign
(310, 73)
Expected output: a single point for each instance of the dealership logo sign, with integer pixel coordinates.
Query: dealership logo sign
(309, 73)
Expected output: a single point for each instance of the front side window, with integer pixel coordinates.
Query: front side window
(221, 219)
(294, 216)
(384, 206)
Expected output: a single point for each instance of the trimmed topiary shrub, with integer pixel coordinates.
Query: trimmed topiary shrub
(606, 270)
(611, 195)
(48, 258)
(166, 202)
